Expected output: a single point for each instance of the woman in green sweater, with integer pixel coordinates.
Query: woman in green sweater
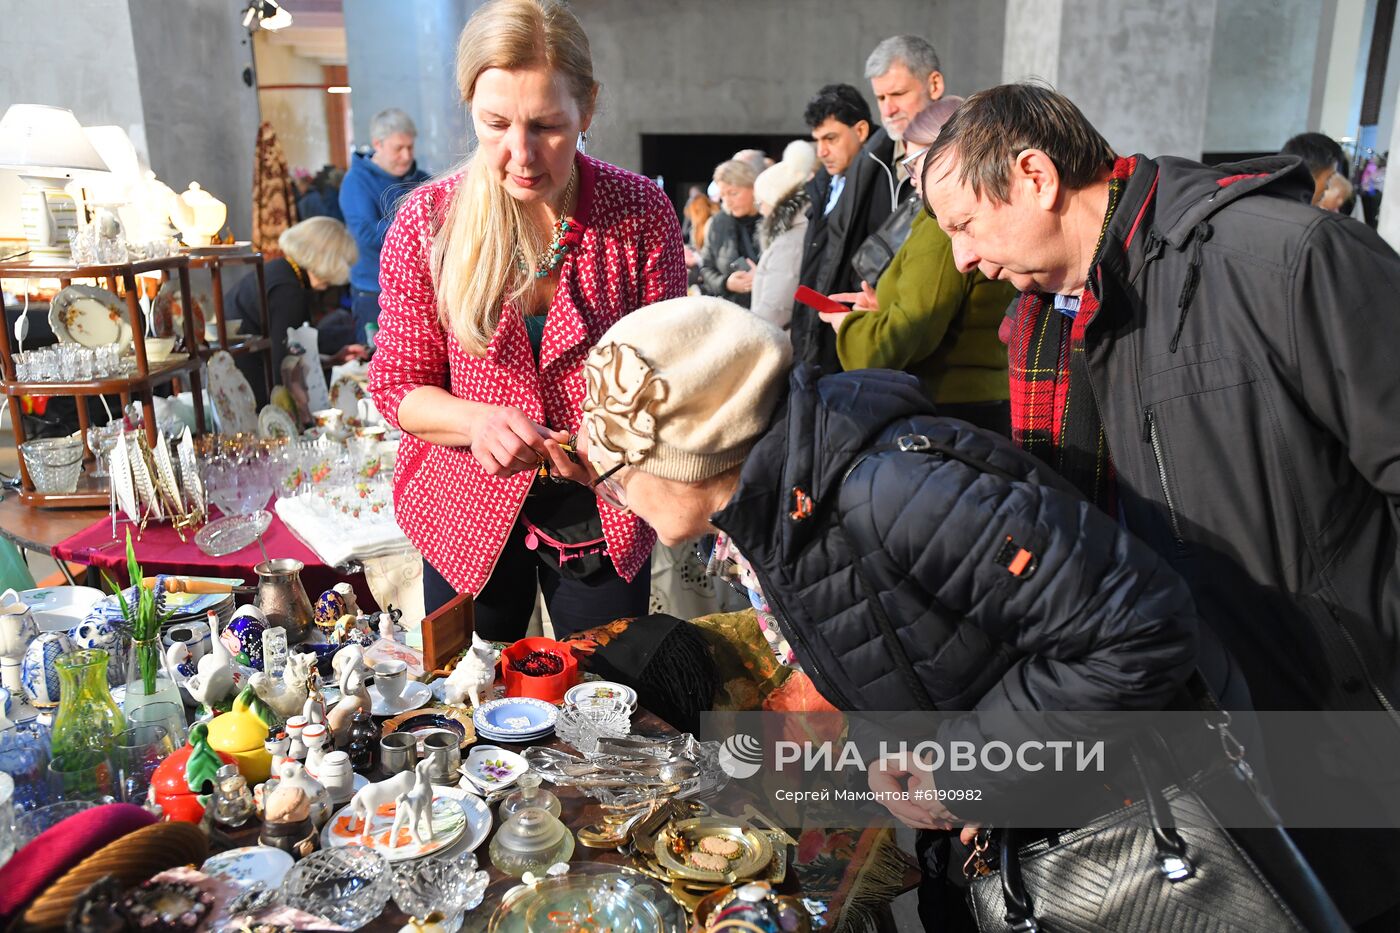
(927, 318)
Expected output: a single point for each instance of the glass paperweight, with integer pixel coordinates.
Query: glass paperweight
(528, 793)
(450, 886)
(531, 840)
(348, 885)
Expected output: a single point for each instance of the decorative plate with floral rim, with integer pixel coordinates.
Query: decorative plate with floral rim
(274, 423)
(235, 409)
(90, 317)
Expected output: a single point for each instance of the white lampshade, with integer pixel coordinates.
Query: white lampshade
(37, 140)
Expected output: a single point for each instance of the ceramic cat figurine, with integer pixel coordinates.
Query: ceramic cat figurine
(474, 676)
(288, 695)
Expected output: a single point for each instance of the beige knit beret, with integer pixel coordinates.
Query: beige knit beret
(682, 389)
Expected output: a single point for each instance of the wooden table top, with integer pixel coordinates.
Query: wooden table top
(38, 529)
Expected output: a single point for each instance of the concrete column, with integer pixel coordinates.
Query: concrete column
(403, 54)
(1389, 224)
(1138, 69)
(201, 119)
(1263, 61)
(1337, 103)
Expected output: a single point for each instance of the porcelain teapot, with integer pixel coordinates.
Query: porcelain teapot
(197, 214)
(17, 625)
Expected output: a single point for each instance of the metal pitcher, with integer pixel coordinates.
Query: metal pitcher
(282, 599)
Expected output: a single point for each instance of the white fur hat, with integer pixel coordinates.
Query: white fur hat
(777, 182)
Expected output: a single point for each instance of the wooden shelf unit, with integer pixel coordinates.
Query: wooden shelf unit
(139, 385)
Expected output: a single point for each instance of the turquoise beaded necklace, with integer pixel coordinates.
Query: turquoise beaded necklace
(561, 242)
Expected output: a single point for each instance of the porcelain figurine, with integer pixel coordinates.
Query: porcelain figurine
(296, 749)
(287, 694)
(243, 637)
(413, 808)
(314, 737)
(277, 745)
(354, 697)
(38, 673)
(287, 822)
(474, 676)
(95, 632)
(371, 797)
(214, 680)
(181, 660)
(291, 773)
(348, 657)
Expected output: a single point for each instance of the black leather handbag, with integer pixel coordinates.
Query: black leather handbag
(874, 256)
(1163, 863)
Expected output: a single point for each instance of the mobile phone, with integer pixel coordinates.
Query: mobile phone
(739, 265)
(818, 302)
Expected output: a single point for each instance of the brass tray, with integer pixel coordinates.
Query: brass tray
(756, 850)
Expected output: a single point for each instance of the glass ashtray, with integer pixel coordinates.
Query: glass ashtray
(348, 885)
(583, 724)
(232, 533)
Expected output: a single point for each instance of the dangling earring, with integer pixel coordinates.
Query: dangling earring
(583, 142)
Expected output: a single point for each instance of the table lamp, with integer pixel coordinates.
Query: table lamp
(45, 144)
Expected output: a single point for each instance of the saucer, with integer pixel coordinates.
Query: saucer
(250, 865)
(415, 695)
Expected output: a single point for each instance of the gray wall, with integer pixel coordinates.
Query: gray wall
(403, 54)
(173, 83)
(1262, 71)
(735, 66)
(1139, 70)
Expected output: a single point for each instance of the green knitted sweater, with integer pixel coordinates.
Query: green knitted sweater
(933, 322)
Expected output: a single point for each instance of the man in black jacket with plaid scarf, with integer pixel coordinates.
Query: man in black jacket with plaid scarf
(1211, 360)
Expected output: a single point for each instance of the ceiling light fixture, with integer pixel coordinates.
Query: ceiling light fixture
(267, 14)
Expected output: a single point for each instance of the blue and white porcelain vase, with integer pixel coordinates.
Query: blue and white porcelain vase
(37, 671)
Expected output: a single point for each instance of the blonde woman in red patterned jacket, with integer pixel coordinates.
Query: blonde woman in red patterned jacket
(496, 280)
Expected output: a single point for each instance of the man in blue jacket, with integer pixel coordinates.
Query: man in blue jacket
(369, 196)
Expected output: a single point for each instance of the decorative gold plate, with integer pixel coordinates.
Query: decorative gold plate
(756, 850)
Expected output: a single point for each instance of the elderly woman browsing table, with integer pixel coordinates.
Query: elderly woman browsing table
(496, 281)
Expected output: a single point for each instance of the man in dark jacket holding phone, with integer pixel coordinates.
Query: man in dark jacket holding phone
(905, 78)
(1212, 361)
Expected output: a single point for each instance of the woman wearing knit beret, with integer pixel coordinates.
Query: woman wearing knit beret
(910, 561)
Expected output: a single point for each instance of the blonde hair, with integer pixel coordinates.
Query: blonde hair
(321, 246)
(474, 253)
(736, 173)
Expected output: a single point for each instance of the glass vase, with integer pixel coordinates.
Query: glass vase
(88, 718)
(150, 679)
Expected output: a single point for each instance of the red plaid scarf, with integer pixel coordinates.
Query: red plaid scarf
(1053, 413)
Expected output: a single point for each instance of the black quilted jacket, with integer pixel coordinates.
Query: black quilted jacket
(1093, 620)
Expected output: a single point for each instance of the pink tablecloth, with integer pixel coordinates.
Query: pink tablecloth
(160, 550)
